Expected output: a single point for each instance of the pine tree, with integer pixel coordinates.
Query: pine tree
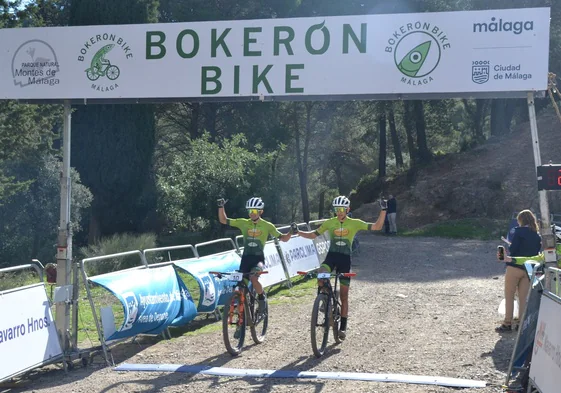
(113, 145)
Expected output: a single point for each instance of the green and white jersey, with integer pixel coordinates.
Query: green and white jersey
(255, 235)
(342, 233)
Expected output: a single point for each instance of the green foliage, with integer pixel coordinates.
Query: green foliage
(116, 244)
(25, 131)
(469, 228)
(28, 228)
(189, 184)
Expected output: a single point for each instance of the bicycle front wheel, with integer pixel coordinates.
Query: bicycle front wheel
(233, 324)
(260, 321)
(320, 324)
(336, 321)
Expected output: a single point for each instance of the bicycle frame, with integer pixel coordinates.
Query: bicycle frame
(327, 303)
(242, 306)
(246, 296)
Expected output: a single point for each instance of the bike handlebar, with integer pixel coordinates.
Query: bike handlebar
(332, 274)
(220, 274)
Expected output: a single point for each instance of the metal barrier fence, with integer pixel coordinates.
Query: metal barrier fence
(170, 248)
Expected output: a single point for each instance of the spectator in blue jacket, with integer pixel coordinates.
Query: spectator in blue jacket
(526, 242)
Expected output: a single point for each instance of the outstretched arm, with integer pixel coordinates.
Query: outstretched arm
(308, 235)
(286, 237)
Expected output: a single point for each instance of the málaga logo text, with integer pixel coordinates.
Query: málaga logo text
(417, 49)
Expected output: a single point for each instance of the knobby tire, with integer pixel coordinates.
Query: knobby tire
(321, 298)
(259, 324)
(234, 306)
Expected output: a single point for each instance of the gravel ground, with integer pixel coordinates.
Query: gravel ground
(419, 306)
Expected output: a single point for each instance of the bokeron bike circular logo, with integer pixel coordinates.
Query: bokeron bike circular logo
(417, 49)
(102, 56)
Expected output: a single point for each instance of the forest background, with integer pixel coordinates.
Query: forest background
(149, 175)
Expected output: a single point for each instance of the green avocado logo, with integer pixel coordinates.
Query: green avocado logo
(417, 54)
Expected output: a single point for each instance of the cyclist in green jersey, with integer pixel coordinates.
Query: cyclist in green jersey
(342, 230)
(255, 232)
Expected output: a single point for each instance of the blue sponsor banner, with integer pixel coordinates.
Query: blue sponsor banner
(214, 292)
(187, 310)
(152, 299)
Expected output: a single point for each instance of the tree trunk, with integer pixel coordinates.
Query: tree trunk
(323, 181)
(476, 117)
(502, 112)
(395, 138)
(479, 119)
(194, 125)
(424, 154)
(409, 130)
(383, 146)
(302, 157)
(94, 232)
(210, 119)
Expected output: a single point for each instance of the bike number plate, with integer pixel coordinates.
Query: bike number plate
(235, 276)
(324, 275)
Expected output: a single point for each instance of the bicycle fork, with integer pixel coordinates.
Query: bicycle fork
(241, 309)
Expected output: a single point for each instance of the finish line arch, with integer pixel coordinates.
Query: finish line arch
(464, 54)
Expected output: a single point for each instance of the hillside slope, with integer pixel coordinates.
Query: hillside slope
(493, 180)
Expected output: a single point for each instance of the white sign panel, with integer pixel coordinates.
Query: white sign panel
(300, 255)
(545, 369)
(28, 334)
(450, 53)
(273, 266)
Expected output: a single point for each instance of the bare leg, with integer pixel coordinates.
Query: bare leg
(344, 295)
(255, 280)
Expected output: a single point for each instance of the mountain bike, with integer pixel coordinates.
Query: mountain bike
(240, 311)
(326, 313)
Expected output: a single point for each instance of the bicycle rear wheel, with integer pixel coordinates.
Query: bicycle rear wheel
(233, 325)
(320, 324)
(260, 321)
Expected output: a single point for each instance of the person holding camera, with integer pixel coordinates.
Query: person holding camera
(526, 242)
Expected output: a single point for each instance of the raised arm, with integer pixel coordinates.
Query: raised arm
(221, 211)
(379, 224)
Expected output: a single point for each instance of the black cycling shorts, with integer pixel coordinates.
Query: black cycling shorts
(250, 263)
(338, 261)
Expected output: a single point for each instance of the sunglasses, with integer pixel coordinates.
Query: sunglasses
(252, 211)
(339, 209)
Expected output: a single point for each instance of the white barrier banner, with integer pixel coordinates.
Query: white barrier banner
(28, 335)
(545, 370)
(454, 53)
(300, 255)
(322, 243)
(273, 265)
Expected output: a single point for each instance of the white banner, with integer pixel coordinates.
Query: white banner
(28, 334)
(322, 243)
(545, 369)
(300, 255)
(273, 265)
(450, 53)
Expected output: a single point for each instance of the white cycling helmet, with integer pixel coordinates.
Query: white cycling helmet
(341, 201)
(255, 203)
